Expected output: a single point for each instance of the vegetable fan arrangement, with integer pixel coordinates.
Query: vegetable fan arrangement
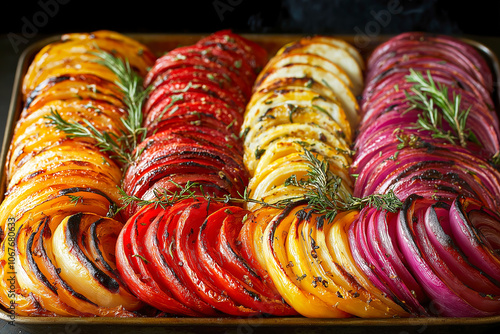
(228, 184)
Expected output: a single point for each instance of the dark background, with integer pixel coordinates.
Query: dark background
(309, 16)
(479, 19)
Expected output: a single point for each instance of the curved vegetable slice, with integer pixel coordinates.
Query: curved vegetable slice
(188, 228)
(274, 247)
(134, 267)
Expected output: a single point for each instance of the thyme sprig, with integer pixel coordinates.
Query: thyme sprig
(433, 100)
(75, 199)
(496, 159)
(323, 193)
(192, 190)
(120, 146)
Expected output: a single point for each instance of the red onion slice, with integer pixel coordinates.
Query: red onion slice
(467, 232)
(444, 301)
(436, 223)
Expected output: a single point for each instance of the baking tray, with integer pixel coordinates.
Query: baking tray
(160, 43)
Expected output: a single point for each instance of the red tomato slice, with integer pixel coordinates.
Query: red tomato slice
(212, 185)
(219, 272)
(216, 52)
(208, 89)
(161, 102)
(256, 55)
(187, 233)
(160, 248)
(204, 137)
(164, 64)
(138, 184)
(208, 135)
(223, 81)
(159, 153)
(195, 120)
(231, 118)
(133, 269)
(253, 228)
(234, 262)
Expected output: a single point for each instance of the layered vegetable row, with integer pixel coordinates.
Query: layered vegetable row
(57, 243)
(305, 97)
(193, 116)
(179, 253)
(429, 133)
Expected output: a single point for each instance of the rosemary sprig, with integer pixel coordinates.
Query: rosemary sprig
(130, 82)
(163, 197)
(75, 199)
(107, 142)
(436, 106)
(495, 159)
(120, 146)
(387, 201)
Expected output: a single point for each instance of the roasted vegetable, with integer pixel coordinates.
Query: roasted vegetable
(429, 134)
(61, 186)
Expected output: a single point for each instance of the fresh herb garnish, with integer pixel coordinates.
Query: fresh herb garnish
(244, 133)
(106, 141)
(120, 145)
(192, 190)
(130, 82)
(323, 192)
(323, 110)
(411, 140)
(496, 159)
(141, 257)
(291, 109)
(433, 100)
(325, 195)
(259, 152)
(75, 199)
(230, 125)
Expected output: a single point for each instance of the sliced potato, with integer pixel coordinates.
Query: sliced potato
(255, 149)
(296, 161)
(286, 147)
(275, 195)
(333, 53)
(305, 98)
(296, 105)
(296, 114)
(280, 85)
(338, 43)
(343, 94)
(310, 59)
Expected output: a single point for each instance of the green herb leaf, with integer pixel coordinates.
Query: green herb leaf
(120, 145)
(259, 152)
(75, 199)
(141, 257)
(433, 99)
